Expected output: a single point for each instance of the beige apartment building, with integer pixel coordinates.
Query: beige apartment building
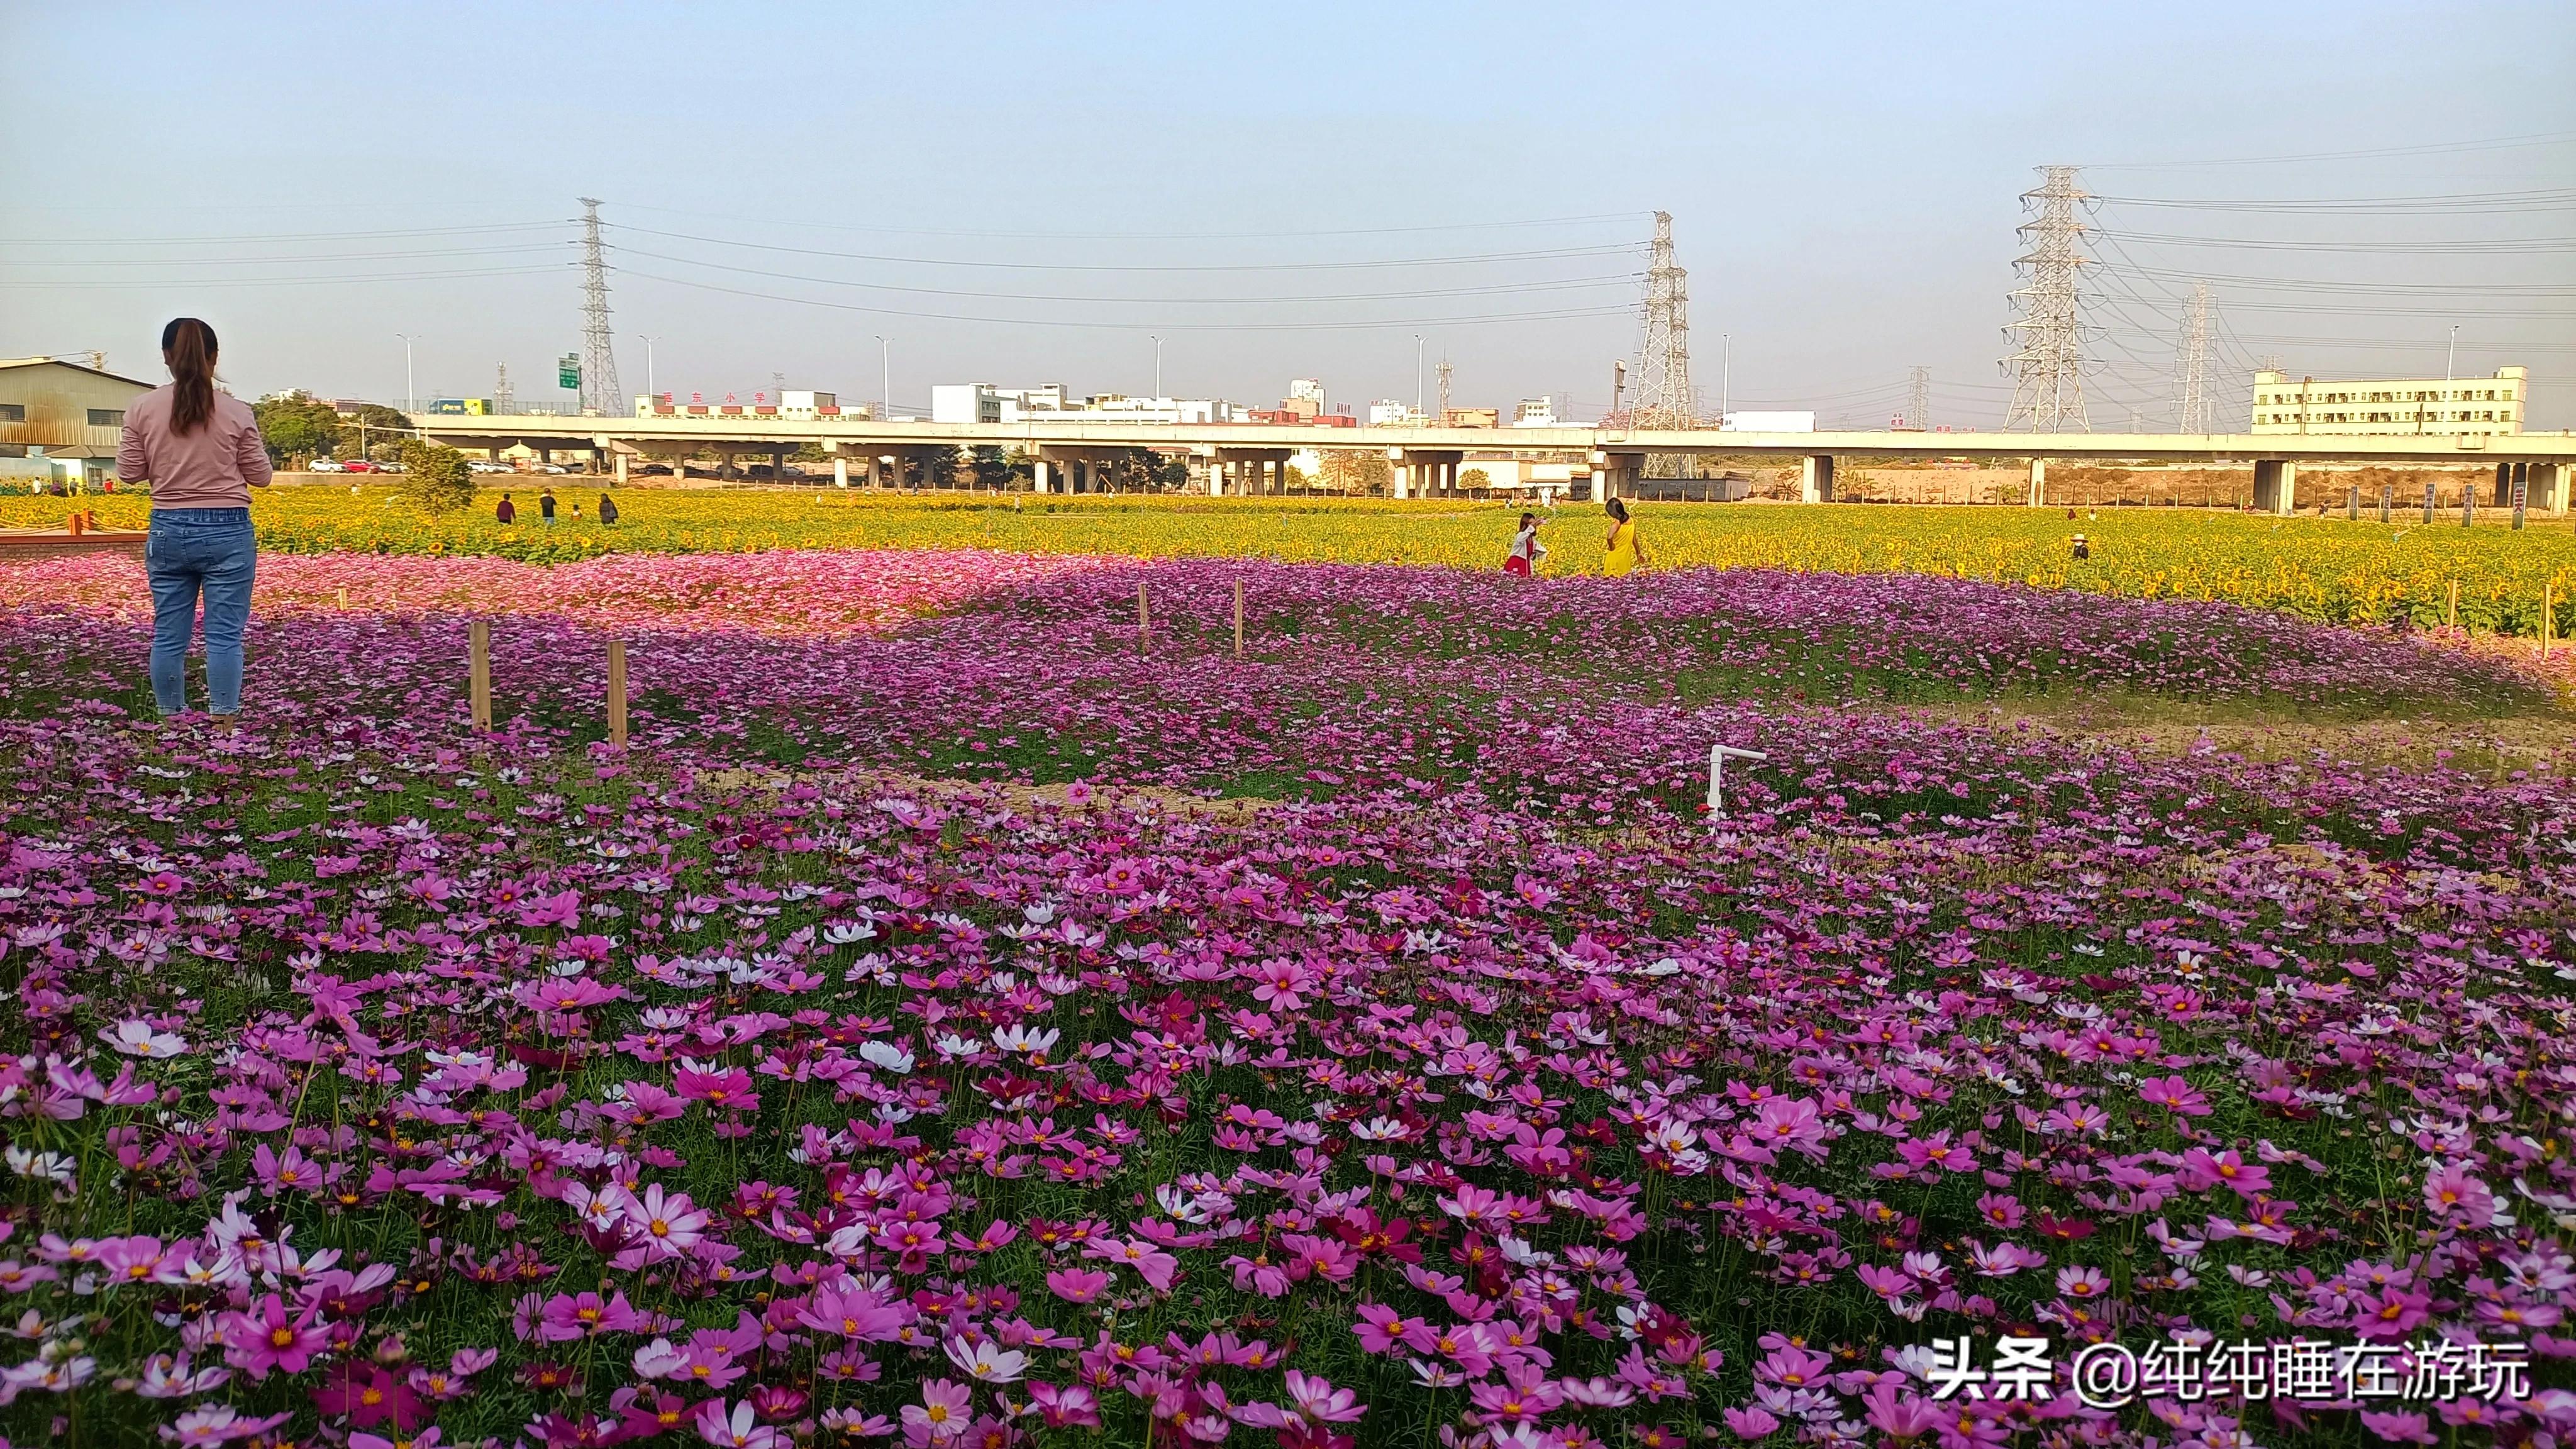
(2432, 406)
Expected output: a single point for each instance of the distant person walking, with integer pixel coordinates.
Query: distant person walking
(1526, 549)
(1623, 551)
(508, 512)
(546, 507)
(202, 451)
(607, 509)
(576, 513)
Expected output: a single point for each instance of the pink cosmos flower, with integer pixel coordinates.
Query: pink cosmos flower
(666, 1225)
(2175, 1094)
(268, 1338)
(1076, 1285)
(1152, 1264)
(941, 1415)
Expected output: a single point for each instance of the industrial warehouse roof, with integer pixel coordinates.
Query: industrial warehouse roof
(6, 363)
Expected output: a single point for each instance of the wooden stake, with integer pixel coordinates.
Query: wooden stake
(1238, 618)
(478, 641)
(1144, 618)
(344, 598)
(2451, 615)
(2548, 614)
(617, 692)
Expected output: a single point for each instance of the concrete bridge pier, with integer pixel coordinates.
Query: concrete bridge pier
(2548, 488)
(1816, 478)
(2276, 486)
(2525, 473)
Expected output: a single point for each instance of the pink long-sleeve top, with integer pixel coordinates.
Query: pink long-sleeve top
(214, 467)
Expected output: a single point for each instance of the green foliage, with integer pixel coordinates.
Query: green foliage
(1357, 471)
(990, 469)
(296, 425)
(438, 481)
(1475, 478)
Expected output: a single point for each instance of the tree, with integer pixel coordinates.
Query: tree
(1356, 471)
(295, 425)
(373, 423)
(990, 468)
(1469, 478)
(939, 468)
(437, 481)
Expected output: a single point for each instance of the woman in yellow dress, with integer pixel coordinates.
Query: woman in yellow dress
(1623, 550)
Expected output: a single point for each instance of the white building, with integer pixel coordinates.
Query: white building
(1388, 413)
(1771, 422)
(1536, 412)
(978, 402)
(2441, 406)
(1307, 389)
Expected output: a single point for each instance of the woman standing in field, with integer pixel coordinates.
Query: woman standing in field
(202, 451)
(1522, 561)
(1623, 550)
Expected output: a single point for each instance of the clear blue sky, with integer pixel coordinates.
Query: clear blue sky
(1843, 181)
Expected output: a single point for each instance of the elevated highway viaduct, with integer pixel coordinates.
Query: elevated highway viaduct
(1251, 457)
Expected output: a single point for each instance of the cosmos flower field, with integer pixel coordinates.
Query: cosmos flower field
(953, 1019)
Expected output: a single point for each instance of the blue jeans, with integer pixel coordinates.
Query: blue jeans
(188, 551)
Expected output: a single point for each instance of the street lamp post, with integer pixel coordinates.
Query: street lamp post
(885, 364)
(411, 395)
(1417, 376)
(1158, 369)
(648, 366)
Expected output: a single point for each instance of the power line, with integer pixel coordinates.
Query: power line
(2477, 246)
(1138, 326)
(2452, 204)
(195, 241)
(2433, 148)
(1469, 259)
(1554, 284)
(1595, 218)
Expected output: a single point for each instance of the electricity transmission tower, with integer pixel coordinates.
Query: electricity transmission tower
(2048, 364)
(504, 401)
(599, 388)
(2192, 364)
(1663, 358)
(1918, 399)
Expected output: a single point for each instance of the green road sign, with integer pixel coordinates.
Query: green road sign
(568, 374)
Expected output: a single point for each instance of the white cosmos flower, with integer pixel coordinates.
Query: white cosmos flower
(138, 1039)
(886, 1054)
(1017, 1038)
(987, 1361)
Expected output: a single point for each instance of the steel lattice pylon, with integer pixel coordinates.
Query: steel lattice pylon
(2048, 365)
(1663, 356)
(2191, 365)
(600, 392)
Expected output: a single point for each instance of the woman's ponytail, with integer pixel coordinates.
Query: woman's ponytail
(190, 347)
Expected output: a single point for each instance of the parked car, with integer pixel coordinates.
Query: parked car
(552, 468)
(326, 465)
(361, 465)
(479, 465)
